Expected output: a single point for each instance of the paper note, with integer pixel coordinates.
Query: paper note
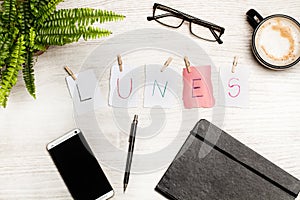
(124, 86)
(85, 92)
(234, 87)
(161, 88)
(197, 88)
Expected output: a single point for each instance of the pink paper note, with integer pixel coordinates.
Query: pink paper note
(197, 88)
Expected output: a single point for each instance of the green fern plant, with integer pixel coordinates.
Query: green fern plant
(28, 26)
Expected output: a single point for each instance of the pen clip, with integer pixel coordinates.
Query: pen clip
(130, 138)
(133, 128)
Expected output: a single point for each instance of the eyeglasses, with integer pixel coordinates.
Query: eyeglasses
(173, 18)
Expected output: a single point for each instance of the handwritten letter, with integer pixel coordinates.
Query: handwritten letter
(197, 88)
(233, 87)
(85, 92)
(161, 88)
(124, 86)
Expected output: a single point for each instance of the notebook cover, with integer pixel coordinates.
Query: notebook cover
(213, 165)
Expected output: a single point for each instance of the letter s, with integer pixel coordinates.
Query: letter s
(234, 85)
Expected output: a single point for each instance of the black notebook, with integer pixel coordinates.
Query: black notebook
(212, 165)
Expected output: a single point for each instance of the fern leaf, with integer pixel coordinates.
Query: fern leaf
(10, 74)
(1, 16)
(81, 16)
(68, 34)
(25, 18)
(28, 75)
(5, 44)
(93, 32)
(9, 12)
(35, 5)
(31, 38)
(39, 47)
(43, 9)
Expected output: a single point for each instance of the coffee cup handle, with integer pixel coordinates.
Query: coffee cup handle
(254, 18)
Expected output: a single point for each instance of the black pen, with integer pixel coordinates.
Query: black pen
(130, 151)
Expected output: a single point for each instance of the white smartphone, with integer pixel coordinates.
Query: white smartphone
(79, 167)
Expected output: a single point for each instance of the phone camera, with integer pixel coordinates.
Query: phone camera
(75, 131)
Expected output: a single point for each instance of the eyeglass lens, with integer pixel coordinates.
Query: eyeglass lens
(169, 19)
(203, 32)
(166, 18)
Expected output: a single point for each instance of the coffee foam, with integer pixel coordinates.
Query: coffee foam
(278, 41)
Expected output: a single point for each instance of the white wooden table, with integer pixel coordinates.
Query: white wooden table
(269, 126)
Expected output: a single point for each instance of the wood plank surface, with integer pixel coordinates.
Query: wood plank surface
(270, 125)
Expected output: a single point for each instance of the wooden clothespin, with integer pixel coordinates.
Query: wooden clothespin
(166, 64)
(234, 64)
(69, 71)
(120, 63)
(187, 64)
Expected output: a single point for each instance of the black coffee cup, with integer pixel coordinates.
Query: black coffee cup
(275, 40)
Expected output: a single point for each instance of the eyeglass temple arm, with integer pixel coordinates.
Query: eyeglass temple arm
(159, 16)
(216, 36)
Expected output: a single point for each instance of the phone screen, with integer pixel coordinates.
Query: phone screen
(80, 169)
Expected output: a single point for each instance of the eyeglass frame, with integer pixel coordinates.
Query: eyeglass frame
(191, 19)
